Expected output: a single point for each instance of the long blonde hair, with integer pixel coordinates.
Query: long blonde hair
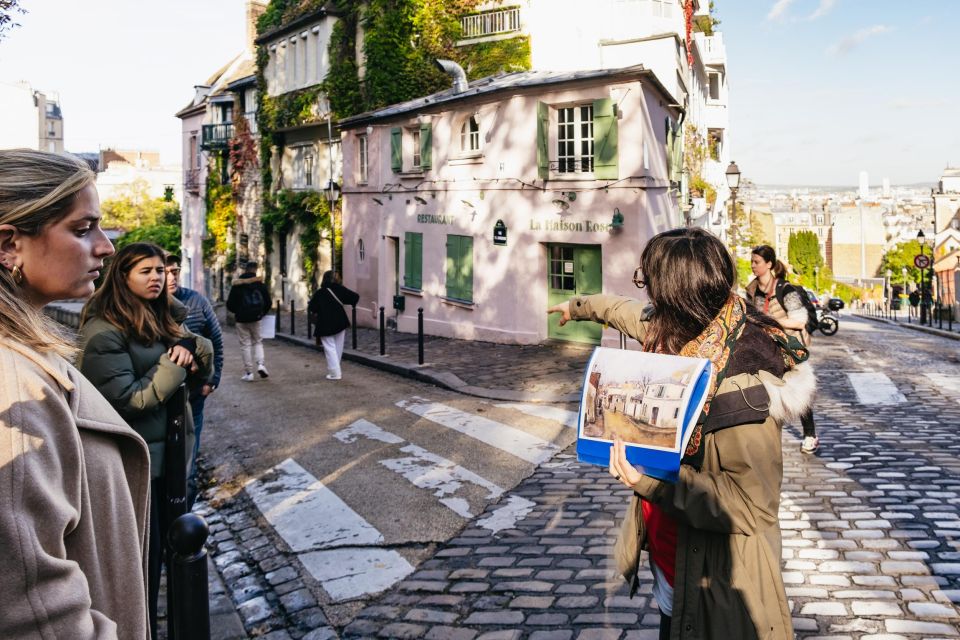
(36, 189)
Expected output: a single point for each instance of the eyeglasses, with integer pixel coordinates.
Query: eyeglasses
(637, 280)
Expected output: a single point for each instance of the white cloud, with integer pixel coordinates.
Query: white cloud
(851, 42)
(826, 6)
(778, 9)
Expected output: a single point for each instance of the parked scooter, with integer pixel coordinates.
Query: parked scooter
(828, 321)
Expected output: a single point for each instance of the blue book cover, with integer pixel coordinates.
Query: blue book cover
(651, 400)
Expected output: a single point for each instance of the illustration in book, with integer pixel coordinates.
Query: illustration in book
(650, 400)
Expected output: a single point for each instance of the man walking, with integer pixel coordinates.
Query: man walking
(201, 320)
(249, 301)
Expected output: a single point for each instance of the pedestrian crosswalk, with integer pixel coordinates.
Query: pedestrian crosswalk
(336, 537)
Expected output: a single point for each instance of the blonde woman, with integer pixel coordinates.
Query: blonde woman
(74, 478)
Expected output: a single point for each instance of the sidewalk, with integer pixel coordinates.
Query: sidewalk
(551, 372)
(916, 326)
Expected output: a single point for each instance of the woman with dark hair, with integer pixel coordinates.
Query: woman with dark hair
(771, 294)
(136, 352)
(332, 323)
(713, 536)
(74, 477)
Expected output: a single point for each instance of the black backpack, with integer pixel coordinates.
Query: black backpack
(251, 304)
(812, 321)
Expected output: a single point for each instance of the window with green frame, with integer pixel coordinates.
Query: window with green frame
(413, 260)
(460, 268)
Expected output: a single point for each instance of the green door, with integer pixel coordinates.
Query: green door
(573, 270)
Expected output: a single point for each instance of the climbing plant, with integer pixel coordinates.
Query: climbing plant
(221, 209)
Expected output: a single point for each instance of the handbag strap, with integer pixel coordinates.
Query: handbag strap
(334, 295)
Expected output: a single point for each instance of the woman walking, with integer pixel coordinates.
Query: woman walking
(771, 294)
(713, 536)
(74, 478)
(137, 354)
(332, 323)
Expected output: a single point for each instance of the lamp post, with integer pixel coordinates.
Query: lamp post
(903, 274)
(733, 182)
(816, 280)
(923, 289)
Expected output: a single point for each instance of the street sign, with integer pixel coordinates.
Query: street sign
(921, 261)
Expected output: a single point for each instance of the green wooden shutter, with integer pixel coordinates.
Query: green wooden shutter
(466, 268)
(605, 140)
(453, 253)
(426, 145)
(543, 140)
(413, 260)
(396, 149)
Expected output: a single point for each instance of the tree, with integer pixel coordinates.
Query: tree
(900, 256)
(166, 236)
(8, 9)
(803, 252)
(133, 207)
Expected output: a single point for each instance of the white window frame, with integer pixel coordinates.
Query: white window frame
(719, 77)
(294, 59)
(308, 162)
(415, 158)
(470, 137)
(363, 159)
(567, 164)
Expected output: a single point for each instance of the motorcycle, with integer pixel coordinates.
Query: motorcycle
(828, 320)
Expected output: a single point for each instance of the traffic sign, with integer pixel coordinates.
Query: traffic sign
(921, 261)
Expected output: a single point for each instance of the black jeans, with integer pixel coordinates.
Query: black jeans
(155, 553)
(664, 627)
(809, 429)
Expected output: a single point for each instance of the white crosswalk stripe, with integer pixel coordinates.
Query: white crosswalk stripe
(342, 550)
(564, 416)
(496, 434)
(875, 388)
(946, 382)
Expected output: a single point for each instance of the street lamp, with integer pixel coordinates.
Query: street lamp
(816, 280)
(733, 181)
(923, 290)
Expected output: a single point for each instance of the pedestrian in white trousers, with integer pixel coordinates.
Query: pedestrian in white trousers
(331, 320)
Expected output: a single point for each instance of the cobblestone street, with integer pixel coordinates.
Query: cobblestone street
(871, 528)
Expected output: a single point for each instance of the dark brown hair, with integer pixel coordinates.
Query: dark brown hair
(690, 276)
(766, 252)
(140, 320)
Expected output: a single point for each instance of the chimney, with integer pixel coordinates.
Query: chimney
(456, 72)
(255, 9)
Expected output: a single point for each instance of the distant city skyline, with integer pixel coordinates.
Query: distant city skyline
(820, 89)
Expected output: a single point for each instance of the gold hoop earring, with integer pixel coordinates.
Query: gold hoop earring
(17, 274)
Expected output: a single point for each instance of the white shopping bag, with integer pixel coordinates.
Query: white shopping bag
(268, 326)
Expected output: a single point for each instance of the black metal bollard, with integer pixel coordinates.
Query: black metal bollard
(277, 318)
(175, 456)
(309, 333)
(939, 316)
(189, 602)
(353, 327)
(293, 324)
(383, 333)
(420, 335)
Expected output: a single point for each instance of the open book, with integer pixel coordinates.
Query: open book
(651, 400)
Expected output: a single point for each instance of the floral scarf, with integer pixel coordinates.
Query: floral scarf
(716, 343)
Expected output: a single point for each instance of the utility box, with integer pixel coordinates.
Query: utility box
(399, 303)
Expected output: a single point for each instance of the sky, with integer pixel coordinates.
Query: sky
(819, 89)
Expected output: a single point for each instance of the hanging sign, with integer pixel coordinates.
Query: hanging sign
(500, 233)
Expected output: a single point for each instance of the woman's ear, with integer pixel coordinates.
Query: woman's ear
(9, 245)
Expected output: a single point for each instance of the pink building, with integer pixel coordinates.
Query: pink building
(485, 203)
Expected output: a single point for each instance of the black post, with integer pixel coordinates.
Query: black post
(309, 333)
(175, 472)
(189, 602)
(354, 327)
(277, 318)
(293, 324)
(420, 335)
(383, 334)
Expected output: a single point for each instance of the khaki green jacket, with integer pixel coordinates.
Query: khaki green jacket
(728, 575)
(139, 380)
(74, 506)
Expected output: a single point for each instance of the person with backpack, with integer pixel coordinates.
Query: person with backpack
(770, 293)
(326, 306)
(249, 301)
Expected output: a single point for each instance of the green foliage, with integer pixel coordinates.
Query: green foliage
(706, 24)
(488, 58)
(8, 9)
(700, 188)
(803, 252)
(310, 211)
(167, 236)
(744, 272)
(280, 12)
(342, 83)
(900, 256)
(221, 209)
(135, 208)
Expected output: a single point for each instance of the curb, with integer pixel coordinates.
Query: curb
(444, 379)
(915, 327)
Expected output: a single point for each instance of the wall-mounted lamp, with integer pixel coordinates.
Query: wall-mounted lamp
(561, 204)
(468, 204)
(378, 201)
(616, 224)
(419, 199)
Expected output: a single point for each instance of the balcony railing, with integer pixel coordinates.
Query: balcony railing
(491, 23)
(217, 136)
(191, 180)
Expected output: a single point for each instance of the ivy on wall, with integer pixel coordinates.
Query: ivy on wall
(221, 211)
(308, 210)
